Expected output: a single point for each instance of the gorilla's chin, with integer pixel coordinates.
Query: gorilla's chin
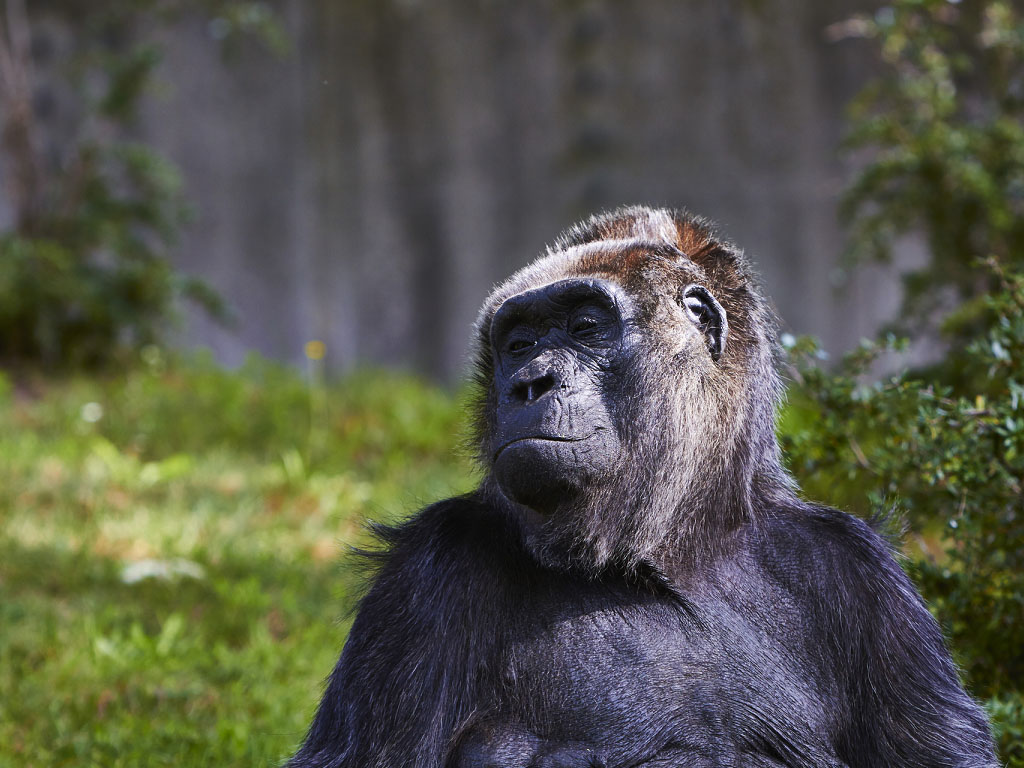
(539, 473)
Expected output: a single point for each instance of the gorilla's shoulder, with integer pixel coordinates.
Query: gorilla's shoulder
(818, 528)
(461, 532)
(824, 546)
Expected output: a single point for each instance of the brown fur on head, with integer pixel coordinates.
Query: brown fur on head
(699, 434)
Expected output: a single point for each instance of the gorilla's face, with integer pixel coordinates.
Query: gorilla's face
(558, 351)
(562, 355)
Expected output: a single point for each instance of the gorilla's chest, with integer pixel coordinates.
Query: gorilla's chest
(616, 679)
(606, 678)
(608, 662)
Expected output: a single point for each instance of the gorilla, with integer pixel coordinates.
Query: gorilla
(636, 582)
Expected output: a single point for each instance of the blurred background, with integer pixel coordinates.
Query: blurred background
(362, 173)
(242, 245)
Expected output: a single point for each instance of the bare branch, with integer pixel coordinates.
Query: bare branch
(18, 129)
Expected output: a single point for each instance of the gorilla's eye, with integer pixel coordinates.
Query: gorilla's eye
(582, 326)
(520, 343)
(589, 324)
(698, 311)
(707, 314)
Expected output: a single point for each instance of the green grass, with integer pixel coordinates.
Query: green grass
(246, 488)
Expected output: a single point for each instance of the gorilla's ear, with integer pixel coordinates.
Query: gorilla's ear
(707, 314)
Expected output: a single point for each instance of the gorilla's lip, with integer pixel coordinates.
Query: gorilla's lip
(545, 438)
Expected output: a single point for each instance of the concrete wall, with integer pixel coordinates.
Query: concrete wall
(370, 188)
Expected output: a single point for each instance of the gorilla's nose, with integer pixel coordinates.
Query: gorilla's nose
(533, 390)
(532, 383)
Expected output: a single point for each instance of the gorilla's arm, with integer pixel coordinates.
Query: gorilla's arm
(404, 681)
(903, 702)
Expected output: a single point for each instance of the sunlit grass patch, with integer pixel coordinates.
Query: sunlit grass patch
(172, 588)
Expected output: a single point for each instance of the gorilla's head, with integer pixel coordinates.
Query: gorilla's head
(628, 387)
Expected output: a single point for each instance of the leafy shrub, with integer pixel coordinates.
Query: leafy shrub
(84, 270)
(1007, 714)
(87, 284)
(951, 460)
(943, 131)
(940, 148)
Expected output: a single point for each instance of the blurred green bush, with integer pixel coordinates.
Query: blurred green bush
(947, 460)
(940, 143)
(84, 269)
(942, 132)
(79, 287)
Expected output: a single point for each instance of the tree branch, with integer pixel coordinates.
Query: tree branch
(18, 140)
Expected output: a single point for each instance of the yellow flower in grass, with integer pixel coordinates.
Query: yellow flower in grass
(316, 350)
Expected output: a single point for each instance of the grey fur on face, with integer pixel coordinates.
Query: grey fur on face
(694, 409)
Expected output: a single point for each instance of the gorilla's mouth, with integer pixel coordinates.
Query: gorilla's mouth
(542, 438)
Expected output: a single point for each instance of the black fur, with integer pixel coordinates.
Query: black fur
(684, 608)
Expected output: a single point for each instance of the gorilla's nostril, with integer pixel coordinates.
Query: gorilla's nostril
(535, 388)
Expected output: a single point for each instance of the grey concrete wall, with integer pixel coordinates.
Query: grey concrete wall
(370, 188)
